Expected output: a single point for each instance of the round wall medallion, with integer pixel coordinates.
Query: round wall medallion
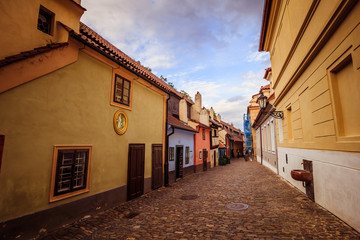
(120, 122)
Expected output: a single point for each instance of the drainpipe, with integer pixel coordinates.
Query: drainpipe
(166, 164)
(166, 167)
(261, 149)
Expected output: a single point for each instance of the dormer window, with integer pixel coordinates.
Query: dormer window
(45, 20)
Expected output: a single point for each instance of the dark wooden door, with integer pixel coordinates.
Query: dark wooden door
(214, 158)
(2, 141)
(179, 161)
(136, 170)
(205, 157)
(309, 185)
(157, 163)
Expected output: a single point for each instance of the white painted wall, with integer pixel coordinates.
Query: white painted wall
(336, 179)
(185, 138)
(268, 165)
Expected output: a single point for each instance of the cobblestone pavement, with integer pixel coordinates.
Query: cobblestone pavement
(276, 211)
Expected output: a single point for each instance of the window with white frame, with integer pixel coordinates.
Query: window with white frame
(280, 124)
(70, 175)
(272, 132)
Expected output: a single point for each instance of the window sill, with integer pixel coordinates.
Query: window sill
(121, 105)
(67, 195)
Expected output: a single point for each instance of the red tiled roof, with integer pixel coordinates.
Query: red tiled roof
(94, 40)
(200, 124)
(176, 123)
(236, 139)
(264, 88)
(267, 71)
(215, 122)
(31, 53)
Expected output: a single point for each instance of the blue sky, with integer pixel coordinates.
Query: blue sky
(210, 46)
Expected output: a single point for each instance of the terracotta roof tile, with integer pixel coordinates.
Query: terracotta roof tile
(267, 71)
(236, 139)
(91, 38)
(176, 123)
(264, 88)
(200, 124)
(31, 53)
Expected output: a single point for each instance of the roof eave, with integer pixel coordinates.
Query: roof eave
(78, 38)
(264, 25)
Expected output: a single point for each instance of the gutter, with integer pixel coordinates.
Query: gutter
(166, 164)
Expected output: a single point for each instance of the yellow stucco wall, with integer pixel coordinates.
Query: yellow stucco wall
(70, 106)
(19, 20)
(308, 88)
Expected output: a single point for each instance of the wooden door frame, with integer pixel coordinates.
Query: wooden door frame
(153, 186)
(176, 160)
(205, 167)
(214, 158)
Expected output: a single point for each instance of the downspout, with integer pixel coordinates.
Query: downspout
(261, 152)
(166, 164)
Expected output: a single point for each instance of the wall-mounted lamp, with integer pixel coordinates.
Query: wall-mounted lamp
(262, 100)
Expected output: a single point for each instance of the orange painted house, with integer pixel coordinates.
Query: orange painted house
(200, 122)
(202, 147)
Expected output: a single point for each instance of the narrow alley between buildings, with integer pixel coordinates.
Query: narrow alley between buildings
(197, 207)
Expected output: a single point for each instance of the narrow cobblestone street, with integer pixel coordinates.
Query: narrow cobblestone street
(276, 211)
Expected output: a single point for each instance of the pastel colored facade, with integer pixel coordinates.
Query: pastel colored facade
(315, 60)
(265, 127)
(181, 151)
(202, 146)
(61, 103)
(214, 139)
(200, 122)
(253, 110)
(180, 137)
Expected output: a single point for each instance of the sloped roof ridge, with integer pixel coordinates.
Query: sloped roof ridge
(31, 53)
(88, 34)
(109, 48)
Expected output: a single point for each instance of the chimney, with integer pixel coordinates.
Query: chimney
(183, 110)
(212, 113)
(198, 103)
(218, 117)
(204, 117)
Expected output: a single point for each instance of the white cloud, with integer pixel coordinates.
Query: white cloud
(195, 44)
(146, 28)
(186, 73)
(258, 57)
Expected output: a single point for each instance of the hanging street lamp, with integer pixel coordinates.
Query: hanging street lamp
(262, 101)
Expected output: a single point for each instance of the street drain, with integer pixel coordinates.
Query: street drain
(131, 215)
(189, 197)
(237, 206)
